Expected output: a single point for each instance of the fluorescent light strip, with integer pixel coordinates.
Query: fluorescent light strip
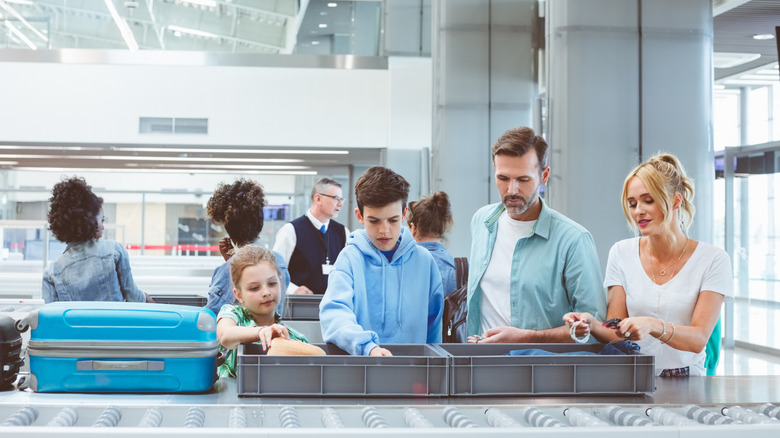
(207, 3)
(219, 166)
(20, 35)
(124, 28)
(193, 32)
(25, 22)
(191, 171)
(183, 150)
(145, 158)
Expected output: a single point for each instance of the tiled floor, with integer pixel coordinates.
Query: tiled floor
(742, 362)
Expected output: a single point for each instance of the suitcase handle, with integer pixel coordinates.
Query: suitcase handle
(120, 365)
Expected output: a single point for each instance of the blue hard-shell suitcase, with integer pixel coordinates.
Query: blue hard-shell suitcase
(97, 346)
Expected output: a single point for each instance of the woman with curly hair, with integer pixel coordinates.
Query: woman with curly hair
(90, 269)
(239, 208)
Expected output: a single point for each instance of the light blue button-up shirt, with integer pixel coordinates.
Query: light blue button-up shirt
(554, 271)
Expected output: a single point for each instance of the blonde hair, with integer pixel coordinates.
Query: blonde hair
(247, 256)
(664, 176)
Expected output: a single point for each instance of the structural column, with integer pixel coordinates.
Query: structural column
(627, 79)
(484, 71)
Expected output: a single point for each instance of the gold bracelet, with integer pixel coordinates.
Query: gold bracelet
(674, 329)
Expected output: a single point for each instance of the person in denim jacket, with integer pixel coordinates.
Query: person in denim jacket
(90, 269)
(239, 207)
(429, 219)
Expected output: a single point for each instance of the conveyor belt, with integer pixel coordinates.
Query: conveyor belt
(397, 420)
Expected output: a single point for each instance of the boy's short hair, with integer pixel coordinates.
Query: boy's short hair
(380, 186)
(250, 255)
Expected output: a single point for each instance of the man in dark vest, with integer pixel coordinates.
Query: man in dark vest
(311, 243)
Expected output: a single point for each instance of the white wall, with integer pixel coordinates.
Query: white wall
(263, 106)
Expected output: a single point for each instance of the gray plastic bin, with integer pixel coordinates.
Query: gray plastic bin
(484, 369)
(415, 370)
(302, 307)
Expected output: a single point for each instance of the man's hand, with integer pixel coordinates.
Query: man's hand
(508, 335)
(303, 290)
(379, 351)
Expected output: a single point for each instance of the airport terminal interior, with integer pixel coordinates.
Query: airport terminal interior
(157, 102)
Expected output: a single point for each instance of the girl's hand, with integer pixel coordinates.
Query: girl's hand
(266, 333)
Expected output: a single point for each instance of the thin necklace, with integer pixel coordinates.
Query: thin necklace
(663, 271)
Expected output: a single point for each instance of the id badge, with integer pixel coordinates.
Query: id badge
(326, 268)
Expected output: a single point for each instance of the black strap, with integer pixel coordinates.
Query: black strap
(461, 271)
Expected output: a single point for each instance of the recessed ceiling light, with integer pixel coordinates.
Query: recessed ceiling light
(763, 36)
(315, 43)
(322, 25)
(332, 5)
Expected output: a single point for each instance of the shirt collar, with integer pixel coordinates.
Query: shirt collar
(316, 222)
(543, 222)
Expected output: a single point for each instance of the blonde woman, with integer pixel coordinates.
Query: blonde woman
(666, 289)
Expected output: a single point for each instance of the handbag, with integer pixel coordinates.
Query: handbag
(455, 308)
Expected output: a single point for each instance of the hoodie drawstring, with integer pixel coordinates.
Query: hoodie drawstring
(384, 292)
(400, 297)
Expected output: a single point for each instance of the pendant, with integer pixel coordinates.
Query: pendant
(662, 273)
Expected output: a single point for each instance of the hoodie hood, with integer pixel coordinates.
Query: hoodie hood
(360, 239)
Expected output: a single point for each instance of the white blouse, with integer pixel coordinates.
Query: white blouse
(708, 268)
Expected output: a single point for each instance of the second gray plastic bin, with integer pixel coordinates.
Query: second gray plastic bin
(414, 370)
(485, 370)
(302, 307)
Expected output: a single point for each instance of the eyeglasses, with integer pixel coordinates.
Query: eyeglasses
(338, 199)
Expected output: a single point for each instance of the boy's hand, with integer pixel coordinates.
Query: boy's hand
(379, 351)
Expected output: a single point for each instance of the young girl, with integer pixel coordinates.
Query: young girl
(429, 219)
(255, 276)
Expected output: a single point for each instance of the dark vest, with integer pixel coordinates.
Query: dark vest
(309, 254)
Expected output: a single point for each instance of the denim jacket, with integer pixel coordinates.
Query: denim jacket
(221, 287)
(445, 263)
(554, 271)
(95, 270)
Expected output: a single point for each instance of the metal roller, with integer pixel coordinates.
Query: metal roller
(538, 418)
(66, 417)
(455, 418)
(109, 417)
(578, 417)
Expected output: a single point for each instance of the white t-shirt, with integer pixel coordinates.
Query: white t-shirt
(494, 301)
(708, 268)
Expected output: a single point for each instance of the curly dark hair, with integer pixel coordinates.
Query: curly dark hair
(239, 207)
(73, 211)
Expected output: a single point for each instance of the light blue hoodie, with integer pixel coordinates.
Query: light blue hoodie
(370, 301)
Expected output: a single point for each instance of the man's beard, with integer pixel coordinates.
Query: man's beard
(524, 205)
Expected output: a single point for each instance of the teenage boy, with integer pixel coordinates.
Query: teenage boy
(384, 289)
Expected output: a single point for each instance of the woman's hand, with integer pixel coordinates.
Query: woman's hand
(639, 327)
(265, 334)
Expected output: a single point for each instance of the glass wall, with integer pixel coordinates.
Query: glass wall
(747, 137)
